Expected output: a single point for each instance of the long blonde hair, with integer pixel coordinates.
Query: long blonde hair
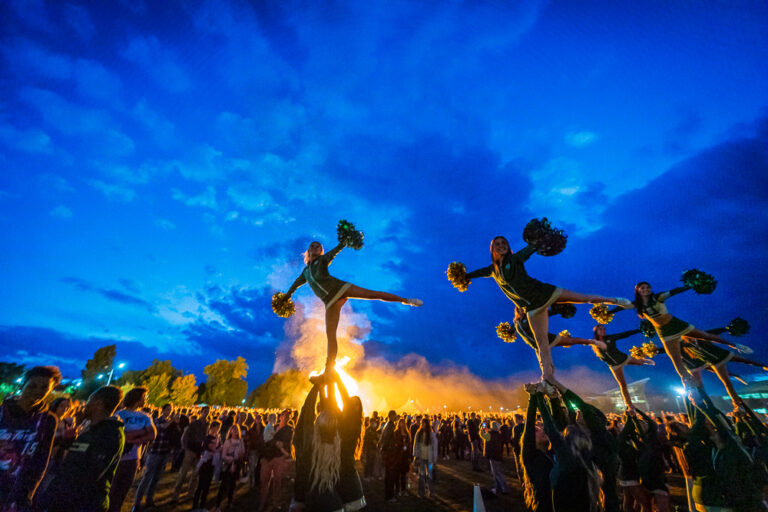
(581, 445)
(326, 453)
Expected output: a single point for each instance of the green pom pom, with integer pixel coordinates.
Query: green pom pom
(738, 327)
(282, 305)
(506, 332)
(547, 240)
(701, 282)
(647, 328)
(563, 309)
(349, 236)
(457, 275)
(650, 349)
(601, 314)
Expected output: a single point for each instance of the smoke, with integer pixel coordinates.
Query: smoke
(411, 383)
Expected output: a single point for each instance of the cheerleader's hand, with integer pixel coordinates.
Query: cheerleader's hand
(743, 348)
(600, 344)
(531, 388)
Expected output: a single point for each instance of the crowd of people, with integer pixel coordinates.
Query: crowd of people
(64, 455)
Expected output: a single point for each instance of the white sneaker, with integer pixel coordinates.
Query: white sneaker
(414, 302)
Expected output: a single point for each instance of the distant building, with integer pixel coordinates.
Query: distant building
(611, 401)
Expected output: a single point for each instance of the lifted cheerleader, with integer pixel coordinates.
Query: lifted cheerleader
(531, 295)
(616, 359)
(333, 292)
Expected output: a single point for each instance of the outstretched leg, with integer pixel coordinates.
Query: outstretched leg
(355, 292)
(721, 371)
(744, 360)
(539, 323)
(570, 341)
(618, 374)
(708, 336)
(672, 347)
(332, 314)
(633, 361)
(582, 298)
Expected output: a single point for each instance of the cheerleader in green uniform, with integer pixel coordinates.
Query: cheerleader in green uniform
(531, 295)
(335, 292)
(523, 329)
(652, 307)
(701, 355)
(616, 359)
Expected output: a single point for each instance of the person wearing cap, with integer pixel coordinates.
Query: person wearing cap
(493, 450)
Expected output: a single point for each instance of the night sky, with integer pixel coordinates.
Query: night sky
(164, 164)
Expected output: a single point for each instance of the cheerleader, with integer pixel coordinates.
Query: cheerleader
(616, 359)
(334, 292)
(564, 339)
(531, 295)
(349, 487)
(652, 307)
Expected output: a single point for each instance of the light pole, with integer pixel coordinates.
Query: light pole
(112, 371)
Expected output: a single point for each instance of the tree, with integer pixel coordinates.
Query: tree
(156, 368)
(157, 386)
(226, 384)
(9, 372)
(101, 362)
(280, 390)
(184, 390)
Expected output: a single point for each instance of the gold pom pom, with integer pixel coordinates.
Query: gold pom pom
(282, 305)
(457, 275)
(601, 314)
(564, 334)
(506, 332)
(637, 352)
(650, 349)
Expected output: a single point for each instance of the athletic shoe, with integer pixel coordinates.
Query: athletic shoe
(413, 302)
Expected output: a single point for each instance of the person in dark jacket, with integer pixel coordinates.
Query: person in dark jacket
(27, 430)
(473, 432)
(493, 450)
(535, 459)
(85, 475)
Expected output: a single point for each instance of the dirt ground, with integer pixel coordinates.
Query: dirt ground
(454, 492)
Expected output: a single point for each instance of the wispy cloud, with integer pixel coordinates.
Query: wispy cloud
(114, 192)
(580, 139)
(109, 293)
(61, 212)
(206, 199)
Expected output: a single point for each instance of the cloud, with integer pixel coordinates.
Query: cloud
(62, 212)
(580, 139)
(54, 183)
(165, 224)
(95, 81)
(27, 56)
(113, 192)
(110, 294)
(206, 199)
(80, 21)
(31, 141)
(159, 62)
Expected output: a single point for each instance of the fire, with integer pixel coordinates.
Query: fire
(349, 382)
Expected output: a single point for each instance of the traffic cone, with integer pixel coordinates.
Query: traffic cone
(479, 504)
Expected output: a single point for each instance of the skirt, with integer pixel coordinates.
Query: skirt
(674, 329)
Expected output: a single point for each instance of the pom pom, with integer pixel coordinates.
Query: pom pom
(506, 332)
(349, 236)
(738, 327)
(563, 309)
(547, 240)
(601, 314)
(457, 275)
(282, 305)
(564, 334)
(701, 282)
(650, 349)
(647, 328)
(637, 352)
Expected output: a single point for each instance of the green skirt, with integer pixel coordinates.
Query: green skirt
(674, 329)
(612, 356)
(709, 352)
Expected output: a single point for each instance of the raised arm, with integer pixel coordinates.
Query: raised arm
(555, 437)
(481, 272)
(593, 417)
(334, 375)
(298, 282)
(525, 253)
(528, 441)
(332, 253)
(674, 291)
(307, 414)
(622, 335)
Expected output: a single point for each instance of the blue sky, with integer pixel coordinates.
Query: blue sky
(163, 165)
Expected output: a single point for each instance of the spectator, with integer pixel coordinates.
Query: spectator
(83, 480)
(139, 429)
(269, 429)
(192, 440)
(254, 443)
(27, 430)
(159, 453)
(425, 455)
(232, 454)
(493, 450)
(206, 465)
(277, 453)
(473, 431)
(389, 454)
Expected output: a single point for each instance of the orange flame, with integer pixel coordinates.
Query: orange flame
(349, 382)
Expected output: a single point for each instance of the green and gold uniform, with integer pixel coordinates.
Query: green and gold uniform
(523, 329)
(656, 308)
(527, 293)
(323, 284)
(612, 356)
